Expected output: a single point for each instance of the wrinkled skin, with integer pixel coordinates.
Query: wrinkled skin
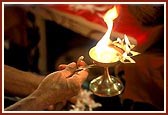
(65, 83)
(54, 89)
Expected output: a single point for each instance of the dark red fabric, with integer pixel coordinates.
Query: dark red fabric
(145, 79)
(125, 23)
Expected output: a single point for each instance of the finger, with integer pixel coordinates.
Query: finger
(81, 63)
(51, 108)
(79, 77)
(60, 105)
(73, 99)
(57, 106)
(62, 66)
(69, 70)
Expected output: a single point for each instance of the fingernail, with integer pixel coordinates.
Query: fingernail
(81, 58)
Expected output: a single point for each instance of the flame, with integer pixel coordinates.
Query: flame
(103, 51)
(108, 51)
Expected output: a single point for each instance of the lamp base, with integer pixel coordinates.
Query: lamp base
(106, 87)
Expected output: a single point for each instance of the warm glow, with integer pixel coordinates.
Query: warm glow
(108, 51)
(105, 53)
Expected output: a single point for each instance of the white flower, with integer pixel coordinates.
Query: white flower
(126, 46)
(85, 102)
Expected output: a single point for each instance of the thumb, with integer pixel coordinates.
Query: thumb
(79, 77)
(69, 70)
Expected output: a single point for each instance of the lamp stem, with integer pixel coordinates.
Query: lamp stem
(106, 76)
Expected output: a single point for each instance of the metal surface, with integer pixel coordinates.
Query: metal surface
(105, 85)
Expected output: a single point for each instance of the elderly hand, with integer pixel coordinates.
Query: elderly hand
(60, 105)
(63, 84)
(53, 89)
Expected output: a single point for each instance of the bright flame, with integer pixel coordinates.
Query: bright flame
(103, 51)
(107, 51)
